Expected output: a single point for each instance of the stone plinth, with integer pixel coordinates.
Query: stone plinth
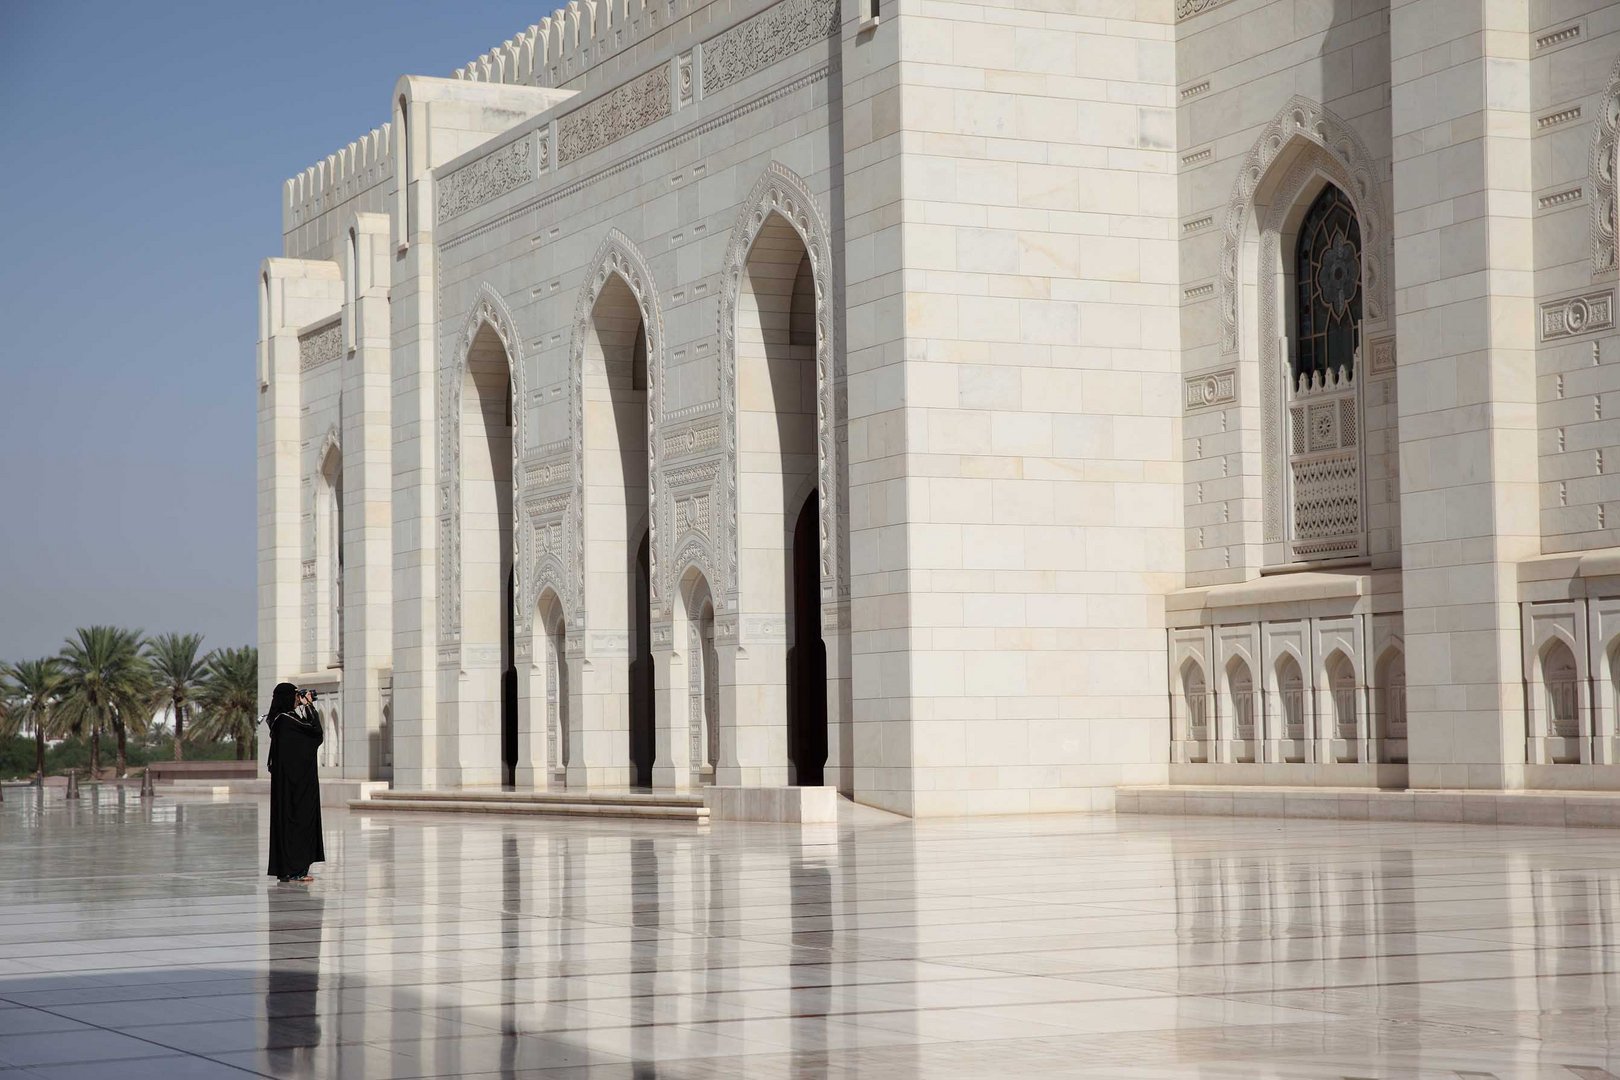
(796, 805)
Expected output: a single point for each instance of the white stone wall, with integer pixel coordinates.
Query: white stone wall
(1575, 91)
(1026, 454)
(1270, 96)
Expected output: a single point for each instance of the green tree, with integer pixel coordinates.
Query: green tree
(177, 676)
(32, 689)
(107, 686)
(229, 698)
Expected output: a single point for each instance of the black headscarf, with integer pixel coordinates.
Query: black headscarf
(283, 699)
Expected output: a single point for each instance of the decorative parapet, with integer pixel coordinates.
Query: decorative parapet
(495, 174)
(773, 35)
(579, 35)
(362, 164)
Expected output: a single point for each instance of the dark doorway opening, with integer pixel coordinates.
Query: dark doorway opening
(509, 688)
(807, 655)
(642, 711)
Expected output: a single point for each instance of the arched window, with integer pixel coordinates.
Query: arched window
(1342, 685)
(330, 522)
(1562, 679)
(1193, 692)
(1240, 690)
(1392, 708)
(1324, 407)
(1327, 278)
(351, 288)
(1291, 694)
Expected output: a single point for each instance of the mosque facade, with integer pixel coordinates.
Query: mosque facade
(978, 407)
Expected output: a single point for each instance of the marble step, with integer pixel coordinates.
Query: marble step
(595, 797)
(651, 808)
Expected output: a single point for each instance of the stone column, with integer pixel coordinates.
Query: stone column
(672, 660)
(423, 754)
(368, 556)
(280, 587)
(1465, 317)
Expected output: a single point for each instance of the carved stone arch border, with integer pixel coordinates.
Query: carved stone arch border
(783, 192)
(1328, 151)
(332, 440)
(618, 256)
(488, 309)
(1605, 146)
(1304, 119)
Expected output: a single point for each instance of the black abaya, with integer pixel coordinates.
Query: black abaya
(295, 795)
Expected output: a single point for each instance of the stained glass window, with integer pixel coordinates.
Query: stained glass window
(1327, 280)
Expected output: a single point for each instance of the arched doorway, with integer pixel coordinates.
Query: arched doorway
(807, 655)
(777, 463)
(489, 699)
(642, 721)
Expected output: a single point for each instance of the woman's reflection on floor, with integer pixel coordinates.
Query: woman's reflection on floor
(292, 993)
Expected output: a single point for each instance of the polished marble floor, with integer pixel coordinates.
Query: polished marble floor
(137, 940)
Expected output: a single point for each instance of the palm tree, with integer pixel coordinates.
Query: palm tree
(177, 674)
(229, 699)
(32, 688)
(106, 686)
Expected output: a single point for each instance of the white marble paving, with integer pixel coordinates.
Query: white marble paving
(138, 939)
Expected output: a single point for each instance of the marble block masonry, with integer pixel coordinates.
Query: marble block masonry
(975, 408)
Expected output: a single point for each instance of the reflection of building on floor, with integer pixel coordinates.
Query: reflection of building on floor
(626, 417)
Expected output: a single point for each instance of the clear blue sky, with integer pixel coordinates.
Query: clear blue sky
(144, 148)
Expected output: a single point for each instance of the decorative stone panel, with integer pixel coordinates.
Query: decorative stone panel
(1601, 172)
(766, 39)
(1576, 315)
(1218, 388)
(321, 345)
(498, 173)
(623, 111)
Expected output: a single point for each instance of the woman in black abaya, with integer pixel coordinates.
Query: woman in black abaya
(295, 794)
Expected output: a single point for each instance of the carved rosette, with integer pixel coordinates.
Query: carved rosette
(618, 256)
(487, 310)
(780, 191)
(1605, 146)
(1303, 119)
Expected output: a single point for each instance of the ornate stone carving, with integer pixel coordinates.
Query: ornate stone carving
(688, 475)
(1381, 355)
(1217, 388)
(1605, 142)
(685, 84)
(780, 191)
(1186, 9)
(622, 111)
(768, 38)
(487, 310)
(497, 173)
(1318, 163)
(1304, 120)
(321, 345)
(690, 441)
(1575, 315)
(619, 257)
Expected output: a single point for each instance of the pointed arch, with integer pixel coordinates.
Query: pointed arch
(1601, 170)
(783, 193)
(489, 310)
(1304, 149)
(1302, 121)
(618, 256)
